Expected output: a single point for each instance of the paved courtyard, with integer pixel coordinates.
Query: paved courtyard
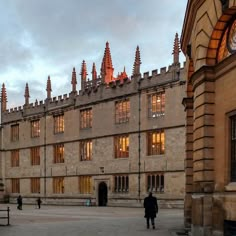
(87, 221)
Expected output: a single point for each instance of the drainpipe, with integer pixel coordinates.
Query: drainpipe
(139, 140)
(44, 158)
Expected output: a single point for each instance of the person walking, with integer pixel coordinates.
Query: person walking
(151, 209)
(19, 202)
(39, 202)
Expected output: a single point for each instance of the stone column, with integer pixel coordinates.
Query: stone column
(188, 103)
(203, 151)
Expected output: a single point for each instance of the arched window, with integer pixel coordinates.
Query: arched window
(228, 41)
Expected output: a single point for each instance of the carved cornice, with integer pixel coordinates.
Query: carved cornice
(187, 102)
(190, 15)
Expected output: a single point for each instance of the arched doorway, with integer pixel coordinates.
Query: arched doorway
(102, 194)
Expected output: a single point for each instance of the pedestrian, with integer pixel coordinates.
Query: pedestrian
(19, 202)
(151, 209)
(39, 202)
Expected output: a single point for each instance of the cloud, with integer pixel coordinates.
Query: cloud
(44, 38)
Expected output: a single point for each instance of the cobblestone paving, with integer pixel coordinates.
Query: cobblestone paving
(87, 221)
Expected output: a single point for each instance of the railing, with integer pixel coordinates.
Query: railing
(6, 217)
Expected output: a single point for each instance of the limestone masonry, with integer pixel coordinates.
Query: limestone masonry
(109, 143)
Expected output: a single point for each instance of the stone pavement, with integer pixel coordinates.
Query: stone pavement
(88, 221)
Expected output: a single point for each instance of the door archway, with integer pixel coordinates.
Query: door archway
(102, 194)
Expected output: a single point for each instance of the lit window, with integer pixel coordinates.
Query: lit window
(59, 124)
(155, 182)
(156, 105)
(86, 118)
(155, 142)
(227, 45)
(233, 148)
(59, 153)
(58, 185)
(15, 184)
(14, 133)
(35, 128)
(122, 111)
(15, 159)
(86, 150)
(121, 146)
(35, 156)
(85, 184)
(35, 185)
(121, 183)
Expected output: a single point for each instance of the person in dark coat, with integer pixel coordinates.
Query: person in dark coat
(19, 203)
(151, 209)
(39, 202)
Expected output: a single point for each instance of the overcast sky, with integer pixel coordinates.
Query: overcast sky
(50, 37)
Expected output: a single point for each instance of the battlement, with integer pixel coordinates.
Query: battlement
(95, 90)
(163, 71)
(60, 98)
(128, 86)
(117, 83)
(14, 109)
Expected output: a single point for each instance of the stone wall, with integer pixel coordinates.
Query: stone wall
(103, 166)
(209, 105)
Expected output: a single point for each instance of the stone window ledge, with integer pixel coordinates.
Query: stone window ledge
(231, 187)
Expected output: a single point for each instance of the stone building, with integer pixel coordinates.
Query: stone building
(110, 143)
(208, 41)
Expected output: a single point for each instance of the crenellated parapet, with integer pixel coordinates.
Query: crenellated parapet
(60, 102)
(96, 91)
(37, 109)
(168, 77)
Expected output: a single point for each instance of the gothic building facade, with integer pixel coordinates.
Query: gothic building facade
(208, 41)
(111, 142)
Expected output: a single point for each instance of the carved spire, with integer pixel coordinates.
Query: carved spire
(94, 72)
(73, 80)
(137, 62)
(121, 76)
(83, 74)
(3, 98)
(106, 67)
(49, 88)
(83, 71)
(27, 94)
(176, 50)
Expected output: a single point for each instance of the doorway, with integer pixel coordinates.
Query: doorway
(102, 194)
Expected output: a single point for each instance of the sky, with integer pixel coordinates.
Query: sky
(50, 37)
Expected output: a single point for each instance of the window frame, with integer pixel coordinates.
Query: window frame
(232, 147)
(156, 109)
(59, 123)
(35, 185)
(122, 111)
(86, 117)
(15, 158)
(35, 156)
(156, 148)
(85, 184)
(121, 146)
(15, 129)
(86, 150)
(58, 156)
(121, 183)
(58, 185)
(155, 182)
(35, 128)
(15, 185)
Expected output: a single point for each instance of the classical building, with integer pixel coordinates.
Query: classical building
(209, 43)
(110, 143)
